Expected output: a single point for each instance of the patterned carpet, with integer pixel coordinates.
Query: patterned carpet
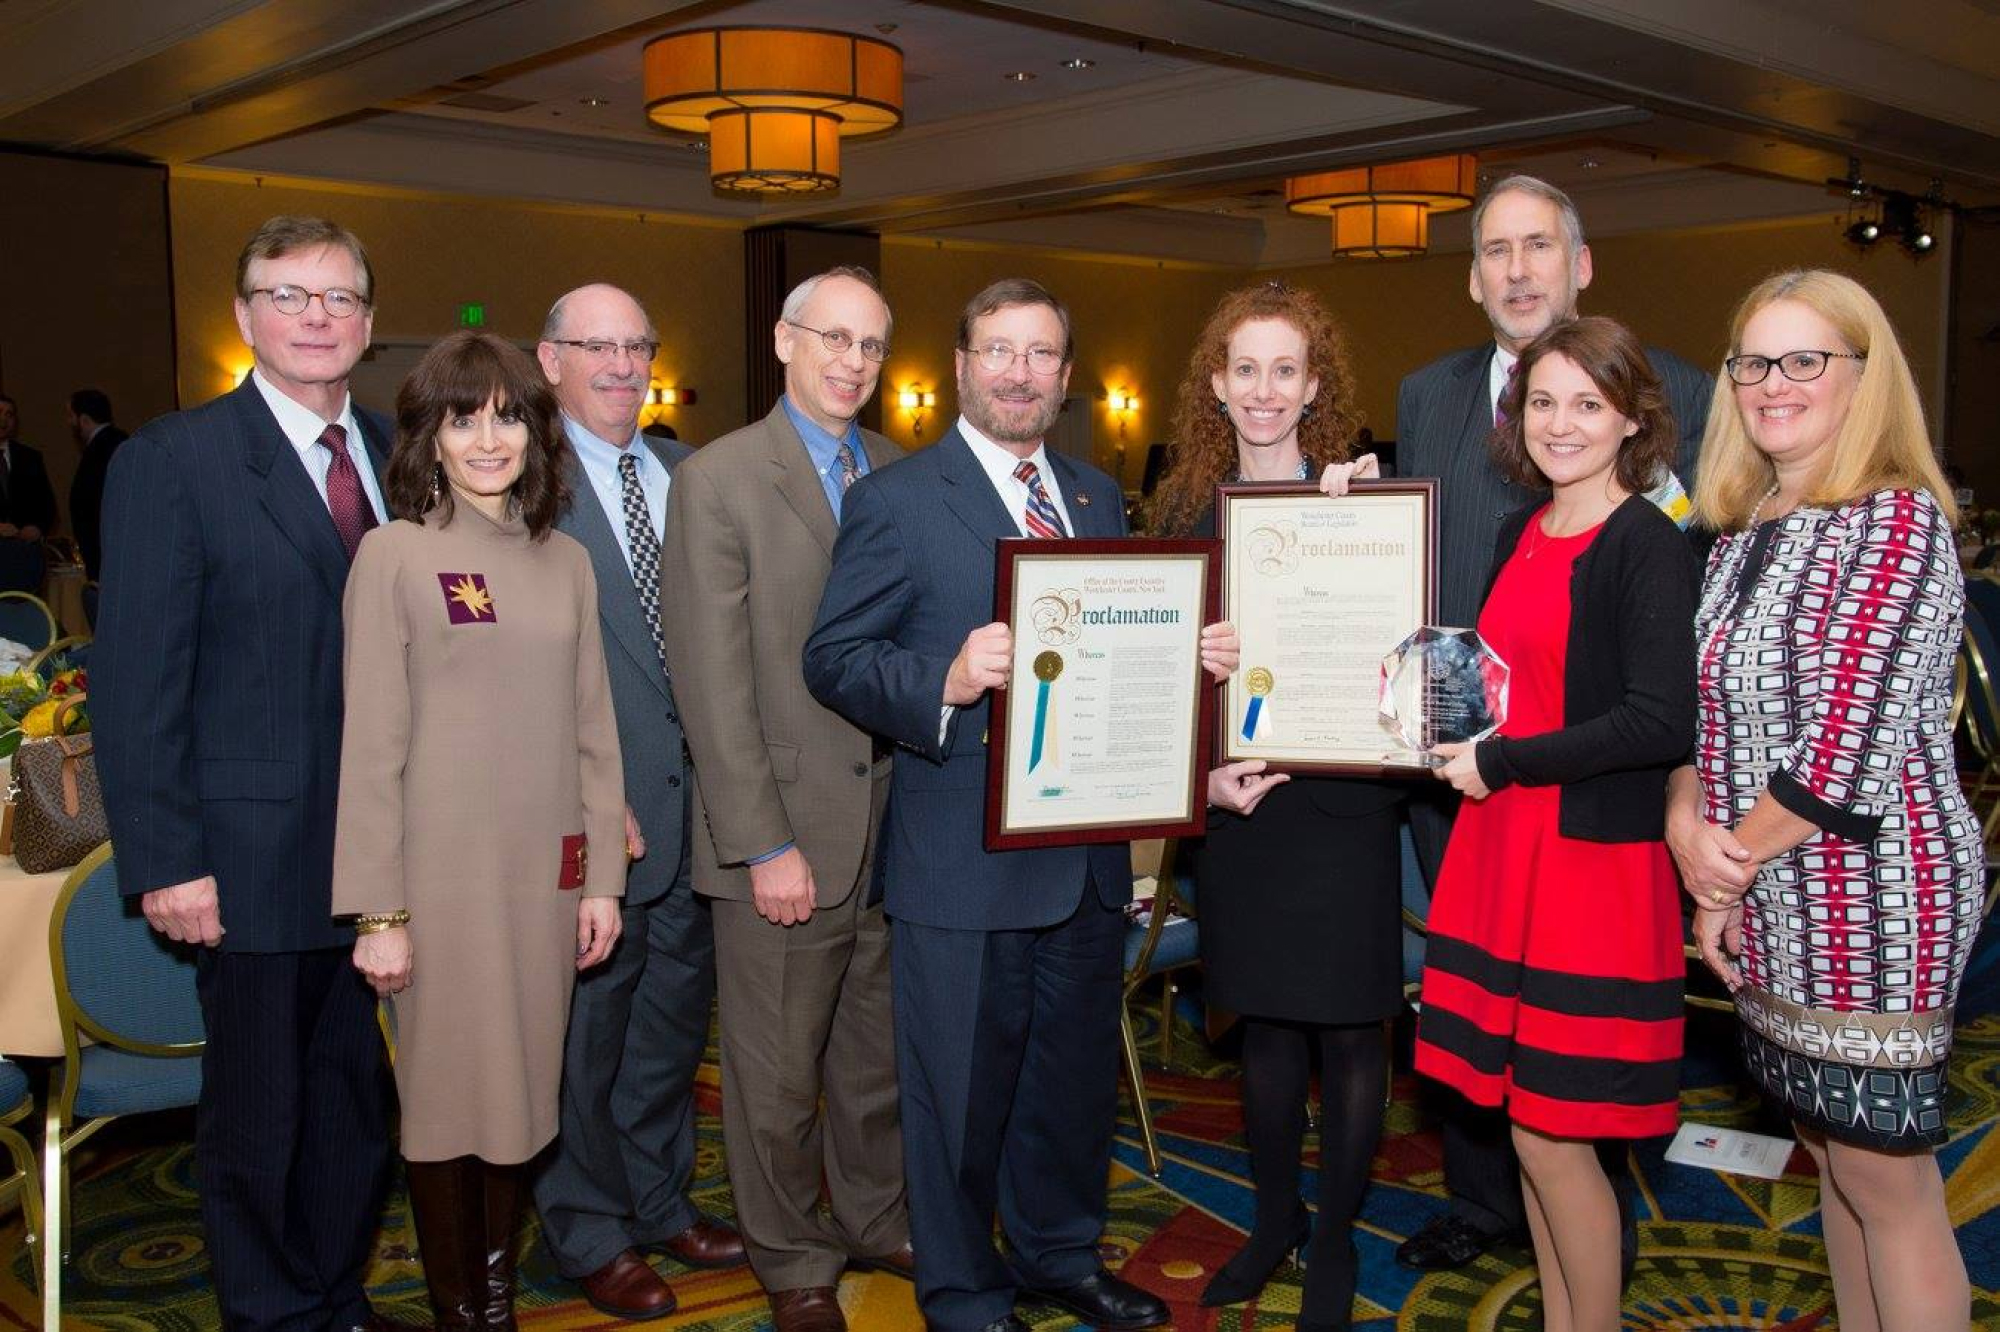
(1719, 1253)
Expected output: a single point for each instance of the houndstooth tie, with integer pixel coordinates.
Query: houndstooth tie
(645, 550)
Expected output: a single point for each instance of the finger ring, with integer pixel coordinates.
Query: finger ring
(1717, 896)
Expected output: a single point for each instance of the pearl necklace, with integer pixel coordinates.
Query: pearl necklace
(1758, 512)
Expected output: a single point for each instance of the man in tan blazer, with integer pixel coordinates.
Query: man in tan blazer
(791, 796)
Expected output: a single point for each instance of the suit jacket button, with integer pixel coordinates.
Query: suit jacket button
(673, 781)
(861, 770)
(673, 719)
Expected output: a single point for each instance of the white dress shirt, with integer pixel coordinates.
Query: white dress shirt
(1496, 376)
(1000, 464)
(303, 426)
(600, 467)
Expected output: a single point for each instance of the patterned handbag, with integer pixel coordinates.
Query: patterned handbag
(56, 809)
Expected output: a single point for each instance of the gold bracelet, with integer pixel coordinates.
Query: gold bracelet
(376, 922)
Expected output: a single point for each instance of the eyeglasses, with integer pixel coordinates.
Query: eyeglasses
(603, 349)
(1801, 367)
(838, 340)
(995, 357)
(338, 302)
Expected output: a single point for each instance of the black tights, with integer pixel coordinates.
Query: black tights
(1353, 1067)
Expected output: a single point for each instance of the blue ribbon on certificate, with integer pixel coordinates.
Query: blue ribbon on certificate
(1259, 682)
(1048, 665)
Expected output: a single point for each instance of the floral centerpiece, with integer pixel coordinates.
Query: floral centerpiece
(29, 703)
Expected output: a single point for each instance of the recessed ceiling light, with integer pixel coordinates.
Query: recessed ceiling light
(1018, 76)
(1590, 164)
(1078, 62)
(593, 101)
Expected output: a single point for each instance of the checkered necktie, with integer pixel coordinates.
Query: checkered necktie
(1500, 403)
(353, 515)
(645, 550)
(1040, 517)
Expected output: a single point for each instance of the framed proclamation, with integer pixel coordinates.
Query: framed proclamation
(1321, 589)
(1103, 733)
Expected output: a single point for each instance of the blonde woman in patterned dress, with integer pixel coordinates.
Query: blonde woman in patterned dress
(1821, 830)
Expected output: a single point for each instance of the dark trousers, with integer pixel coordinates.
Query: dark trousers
(1481, 1172)
(1007, 1058)
(291, 1137)
(638, 1025)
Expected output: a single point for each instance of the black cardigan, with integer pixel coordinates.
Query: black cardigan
(1628, 681)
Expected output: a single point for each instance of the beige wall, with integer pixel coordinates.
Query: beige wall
(1133, 324)
(432, 255)
(1134, 321)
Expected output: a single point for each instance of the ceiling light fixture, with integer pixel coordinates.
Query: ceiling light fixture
(1911, 220)
(774, 102)
(1383, 212)
(1018, 76)
(1078, 62)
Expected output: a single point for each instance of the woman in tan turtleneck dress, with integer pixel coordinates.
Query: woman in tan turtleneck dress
(479, 760)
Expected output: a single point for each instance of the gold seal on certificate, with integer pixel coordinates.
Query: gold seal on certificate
(1106, 739)
(1320, 589)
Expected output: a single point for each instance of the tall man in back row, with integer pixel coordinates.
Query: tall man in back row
(616, 1184)
(216, 691)
(791, 795)
(1529, 262)
(1006, 975)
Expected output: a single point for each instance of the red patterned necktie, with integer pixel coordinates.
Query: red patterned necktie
(352, 514)
(1040, 517)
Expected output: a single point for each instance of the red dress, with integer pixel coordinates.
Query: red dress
(1544, 949)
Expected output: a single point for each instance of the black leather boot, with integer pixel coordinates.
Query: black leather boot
(497, 1258)
(447, 1202)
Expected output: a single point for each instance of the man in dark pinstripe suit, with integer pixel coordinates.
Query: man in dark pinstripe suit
(1529, 262)
(228, 531)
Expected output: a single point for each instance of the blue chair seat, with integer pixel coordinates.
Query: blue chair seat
(118, 1082)
(13, 1086)
(1180, 943)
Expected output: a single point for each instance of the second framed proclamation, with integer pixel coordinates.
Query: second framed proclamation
(1320, 589)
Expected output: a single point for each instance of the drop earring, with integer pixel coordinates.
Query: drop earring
(1222, 409)
(437, 484)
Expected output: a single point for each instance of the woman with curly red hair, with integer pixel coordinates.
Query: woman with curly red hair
(1306, 945)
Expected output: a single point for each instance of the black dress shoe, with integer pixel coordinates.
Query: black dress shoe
(1106, 1303)
(1451, 1241)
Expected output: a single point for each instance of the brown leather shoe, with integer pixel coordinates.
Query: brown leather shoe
(902, 1263)
(627, 1287)
(812, 1309)
(706, 1243)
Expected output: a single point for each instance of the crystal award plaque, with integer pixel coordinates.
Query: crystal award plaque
(1441, 686)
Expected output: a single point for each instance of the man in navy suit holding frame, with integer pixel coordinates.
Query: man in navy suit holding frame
(217, 699)
(1005, 966)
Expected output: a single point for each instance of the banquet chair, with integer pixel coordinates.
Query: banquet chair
(26, 619)
(16, 1104)
(120, 985)
(1163, 941)
(23, 565)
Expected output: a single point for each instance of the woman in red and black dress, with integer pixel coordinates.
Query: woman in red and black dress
(1553, 976)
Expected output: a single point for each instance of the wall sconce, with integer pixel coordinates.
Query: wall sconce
(671, 397)
(1123, 402)
(916, 402)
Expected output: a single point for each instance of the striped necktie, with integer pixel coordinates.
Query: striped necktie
(1040, 517)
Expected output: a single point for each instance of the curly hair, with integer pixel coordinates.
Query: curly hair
(1203, 452)
(1606, 351)
(461, 374)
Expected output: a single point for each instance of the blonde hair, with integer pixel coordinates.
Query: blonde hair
(1882, 443)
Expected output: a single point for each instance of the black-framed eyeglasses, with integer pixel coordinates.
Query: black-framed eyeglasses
(339, 302)
(838, 340)
(1801, 367)
(603, 349)
(996, 357)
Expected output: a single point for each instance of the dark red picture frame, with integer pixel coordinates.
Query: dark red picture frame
(1203, 737)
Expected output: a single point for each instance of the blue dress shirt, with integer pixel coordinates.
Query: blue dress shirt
(824, 450)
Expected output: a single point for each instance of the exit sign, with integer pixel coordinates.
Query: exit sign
(472, 315)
